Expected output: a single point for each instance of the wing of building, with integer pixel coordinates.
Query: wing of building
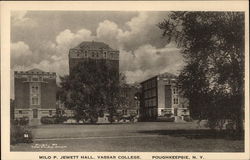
(35, 94)
(162, 99)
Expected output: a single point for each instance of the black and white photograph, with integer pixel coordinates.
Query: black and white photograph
(127, 81)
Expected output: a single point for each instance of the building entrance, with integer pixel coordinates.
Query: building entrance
(35, 112)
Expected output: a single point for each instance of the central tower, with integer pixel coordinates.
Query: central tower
(98, 52)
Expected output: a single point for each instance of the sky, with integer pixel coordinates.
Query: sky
(42, 39)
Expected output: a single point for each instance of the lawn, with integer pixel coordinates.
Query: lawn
(136, 137)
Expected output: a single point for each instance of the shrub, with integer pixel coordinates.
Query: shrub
(17, 134)
(23, 121)
(169, 115)
(48, 120)
(60, 119)
(93, 119)
(188, 119)
(170, 119)
(111, 119)
(101, 114)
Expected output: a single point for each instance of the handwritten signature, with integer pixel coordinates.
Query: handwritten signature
(52, 146)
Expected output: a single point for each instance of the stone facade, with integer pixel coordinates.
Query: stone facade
(161, 97)
(35, 94)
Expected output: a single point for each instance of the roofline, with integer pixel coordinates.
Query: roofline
(149, 79)
(156, 76)
(30, 72)
(109, 48)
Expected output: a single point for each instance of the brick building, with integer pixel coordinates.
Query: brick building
(35, 94)
(161, 98)
(95, 52)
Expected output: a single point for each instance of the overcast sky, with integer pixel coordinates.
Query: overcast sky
(42, 39)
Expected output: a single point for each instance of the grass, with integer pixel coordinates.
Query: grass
(137, 137)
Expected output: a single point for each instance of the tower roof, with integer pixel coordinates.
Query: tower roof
(92, 45)
(167, 75)
(163, 75)
(36, 70)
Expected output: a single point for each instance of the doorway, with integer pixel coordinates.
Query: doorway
(35, 113)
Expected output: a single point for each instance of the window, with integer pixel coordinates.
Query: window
(35, 113)
(154, 92)
(175, 100)
(151, 102)
(40, 78)
(154, 102)
(153, 83)
(149, 84)
(50, 112)
(35, 94)
(20, 112)
(175, 90)
(34, 101)
(125, 112)
(34, 79)
(35, 89)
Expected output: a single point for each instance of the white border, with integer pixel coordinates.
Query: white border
(7, 7)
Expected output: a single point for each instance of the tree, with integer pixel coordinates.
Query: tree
(212, 44)
(90, 90)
